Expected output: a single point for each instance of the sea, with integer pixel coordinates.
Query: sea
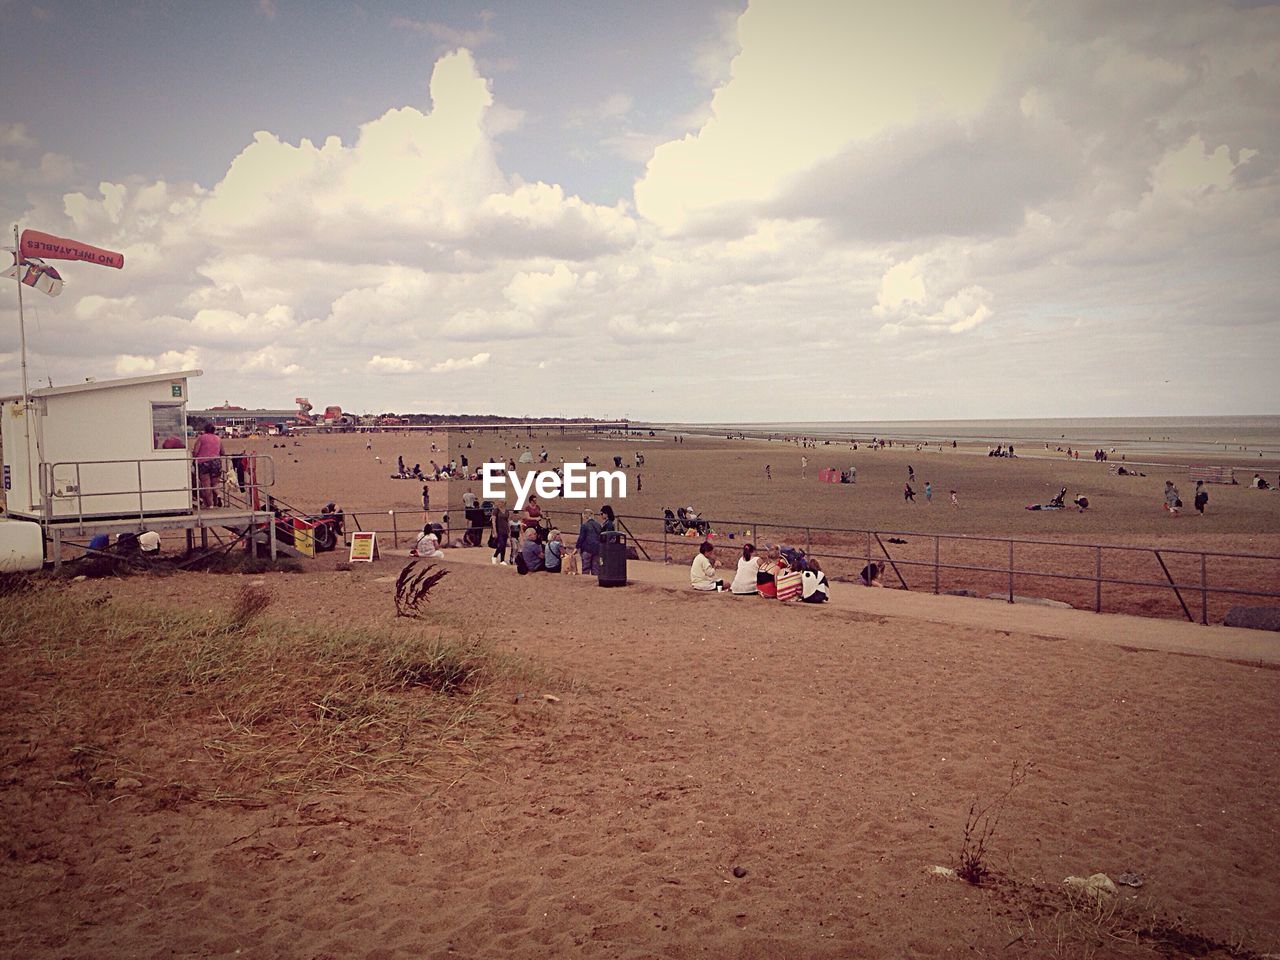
(1259, 434)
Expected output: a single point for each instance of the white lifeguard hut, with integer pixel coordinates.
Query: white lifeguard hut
(111, 457)
(99, 450)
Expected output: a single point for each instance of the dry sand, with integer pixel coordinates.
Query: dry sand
(831, 757)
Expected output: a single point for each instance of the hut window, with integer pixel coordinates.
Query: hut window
(168, 423)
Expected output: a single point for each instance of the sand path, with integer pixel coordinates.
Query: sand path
(1227, 643)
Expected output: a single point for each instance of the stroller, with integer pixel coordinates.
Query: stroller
(684, 520)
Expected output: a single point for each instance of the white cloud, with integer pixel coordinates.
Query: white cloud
(447, 366)
(380, 364)
(813, 76)
(171, 361)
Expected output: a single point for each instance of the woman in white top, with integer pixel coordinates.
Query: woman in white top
(744, 581)
(703, 572)
(428, 544)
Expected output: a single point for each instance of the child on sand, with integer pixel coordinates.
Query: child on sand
(954, 502)
(1172, 502)
(928, 492)
(908, 493)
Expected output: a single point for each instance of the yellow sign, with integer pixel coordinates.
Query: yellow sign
(304, 541)
(364, 547)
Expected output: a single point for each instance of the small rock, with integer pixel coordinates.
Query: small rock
(947, 873)
(1095, 885)
(1130, 879)
(739, 872)
(128, 783)
(80, 579)
(550, 698)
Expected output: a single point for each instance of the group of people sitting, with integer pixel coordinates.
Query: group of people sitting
(777, 573)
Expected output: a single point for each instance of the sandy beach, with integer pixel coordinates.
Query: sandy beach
(676, 776)
(670, 774)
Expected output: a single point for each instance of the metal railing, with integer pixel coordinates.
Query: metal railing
(241, 489)
(835, 544)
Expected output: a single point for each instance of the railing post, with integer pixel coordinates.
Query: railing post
(1011, 571)
(937, 554)
(666, 555)
(1204, 592)
(395, 533)
(142, 510)
(1097, 576)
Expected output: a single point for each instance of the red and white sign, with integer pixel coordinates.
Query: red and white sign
(47, 246)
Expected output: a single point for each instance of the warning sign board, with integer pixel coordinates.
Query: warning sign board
(364, 547)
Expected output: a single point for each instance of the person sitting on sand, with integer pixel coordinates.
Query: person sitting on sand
(871, 575)
(814, 587)
(702, 574)
(1082, 503)
(530, 557)
(553, 553)
(428, 544)
(745, 580)
(772, 567)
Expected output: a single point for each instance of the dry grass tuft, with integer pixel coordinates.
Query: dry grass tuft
(242, 706)
(980, 827)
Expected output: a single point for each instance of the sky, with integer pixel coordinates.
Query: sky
(706, 210)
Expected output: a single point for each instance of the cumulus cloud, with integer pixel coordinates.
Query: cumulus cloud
(381, 364)
(465, 363)
(810, 78)
(171, 361)
(862, 187)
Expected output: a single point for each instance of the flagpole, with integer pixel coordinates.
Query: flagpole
(22, 327)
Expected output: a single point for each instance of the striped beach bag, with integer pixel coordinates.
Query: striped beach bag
(789, 585)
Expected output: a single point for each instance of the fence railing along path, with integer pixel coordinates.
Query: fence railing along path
(1196, 582)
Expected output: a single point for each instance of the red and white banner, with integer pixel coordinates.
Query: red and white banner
(45, 245)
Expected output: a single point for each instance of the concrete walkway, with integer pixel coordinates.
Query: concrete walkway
(1147, 633)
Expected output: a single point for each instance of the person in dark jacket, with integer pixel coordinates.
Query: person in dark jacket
(588, 543)
(1202, 496)
(607, 526)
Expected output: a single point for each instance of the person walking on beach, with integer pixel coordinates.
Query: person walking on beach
(1172, 502)
(767, 474)
(588, 544)
(426, 499)
(804, 465)
(954, 502)
(928, 492)
(1201, 498)
(908, 493)
(501, 519)
(911, 474)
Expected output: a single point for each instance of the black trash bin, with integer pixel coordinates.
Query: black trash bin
(613, 560)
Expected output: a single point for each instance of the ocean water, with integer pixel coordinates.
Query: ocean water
(1204, 434)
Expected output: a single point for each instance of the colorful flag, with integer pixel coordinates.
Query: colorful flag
(35, 273)
(37, 244)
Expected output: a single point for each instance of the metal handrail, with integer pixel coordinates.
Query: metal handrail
(49, 491)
